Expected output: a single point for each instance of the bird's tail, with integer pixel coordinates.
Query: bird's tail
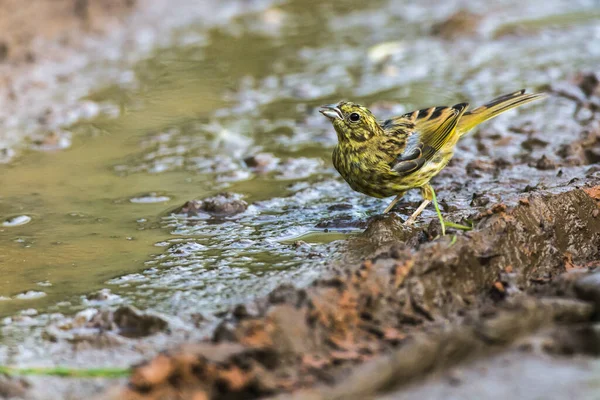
(471, 119)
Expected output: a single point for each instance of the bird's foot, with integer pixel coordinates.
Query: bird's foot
(443, 222)
(447, 224)
(409, 222)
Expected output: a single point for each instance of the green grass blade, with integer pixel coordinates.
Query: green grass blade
(68, 372)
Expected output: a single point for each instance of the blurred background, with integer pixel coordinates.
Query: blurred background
(113, 114)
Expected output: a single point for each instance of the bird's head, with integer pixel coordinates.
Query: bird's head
(352, 122)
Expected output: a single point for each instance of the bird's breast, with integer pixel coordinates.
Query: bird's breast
(366, 170)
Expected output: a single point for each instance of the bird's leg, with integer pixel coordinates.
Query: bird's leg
(393, 203)
(418, 211)
(439, 214)
(437, 210)
(428, 195)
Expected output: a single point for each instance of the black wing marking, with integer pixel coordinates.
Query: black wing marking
(433, 127)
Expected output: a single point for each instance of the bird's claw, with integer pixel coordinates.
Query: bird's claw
(409, 222)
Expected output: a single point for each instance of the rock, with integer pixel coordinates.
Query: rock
(583, 151)
(131, 322)
(480, 200)
(12, 387)
(474, 167)
(106, 327)
(461, 23)
(262, 162)
(588, 83)
(544, 163)
(224, 204)
(533, 143)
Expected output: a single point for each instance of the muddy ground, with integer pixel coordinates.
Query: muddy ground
(519, 291)
(405, 313)
(524, 276)
(55, 53)
(35, 34)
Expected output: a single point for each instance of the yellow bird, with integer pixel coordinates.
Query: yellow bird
(383, 159)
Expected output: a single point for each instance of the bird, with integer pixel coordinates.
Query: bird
(386, 158)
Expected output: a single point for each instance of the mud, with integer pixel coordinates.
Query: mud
(28, 31)
(55, 53)
(461, 23)
(13, 387)
(22, 24)
(216, 296)
(428, 307)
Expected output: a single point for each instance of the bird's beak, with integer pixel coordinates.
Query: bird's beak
(331, 111)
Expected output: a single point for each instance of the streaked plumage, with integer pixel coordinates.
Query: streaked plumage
(386, 159)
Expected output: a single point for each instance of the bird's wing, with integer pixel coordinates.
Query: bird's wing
(428, 131)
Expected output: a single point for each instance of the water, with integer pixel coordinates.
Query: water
(101, 210)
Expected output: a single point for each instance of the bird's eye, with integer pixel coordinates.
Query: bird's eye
(354, 117)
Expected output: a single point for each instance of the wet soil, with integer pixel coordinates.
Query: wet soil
(207, 240)
(427, 307)
(35, 34)
(55, 53)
